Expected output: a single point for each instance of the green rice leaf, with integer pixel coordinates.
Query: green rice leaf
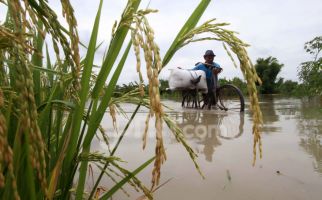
(96, 119)
(114, 49)
(125, 180)
(190, 24)
(98, 115)
(37, 60)
(50, 75)
(84, 86)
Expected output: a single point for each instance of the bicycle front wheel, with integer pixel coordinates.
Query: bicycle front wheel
(231, 98)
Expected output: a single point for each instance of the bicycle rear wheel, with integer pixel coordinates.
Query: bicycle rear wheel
(231, 98)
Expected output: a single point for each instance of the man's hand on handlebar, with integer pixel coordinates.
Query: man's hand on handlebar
(216, 70)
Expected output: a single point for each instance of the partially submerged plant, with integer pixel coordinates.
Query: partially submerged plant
(46, 126)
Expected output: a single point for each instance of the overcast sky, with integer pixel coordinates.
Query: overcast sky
(272, 28)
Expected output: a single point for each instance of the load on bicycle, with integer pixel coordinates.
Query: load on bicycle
(200, 87)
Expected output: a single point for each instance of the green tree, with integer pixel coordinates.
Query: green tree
(223, 81)
(310, 72)
(268, 69)
(240, 84)
(164, 84)
(288, 87)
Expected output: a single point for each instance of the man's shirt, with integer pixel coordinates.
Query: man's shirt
(208, 71)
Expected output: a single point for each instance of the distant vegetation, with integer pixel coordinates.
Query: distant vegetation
(309, 73)
(268, 69)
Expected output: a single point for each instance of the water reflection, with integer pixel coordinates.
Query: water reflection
(270, 116)
(291, 141)
(206, 128)
(312, 145)
(268, 107)
(310, 130)
(307, 114)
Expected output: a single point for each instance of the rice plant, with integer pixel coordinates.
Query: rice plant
(50, 110)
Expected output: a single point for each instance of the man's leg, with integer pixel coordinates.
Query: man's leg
(210, 95)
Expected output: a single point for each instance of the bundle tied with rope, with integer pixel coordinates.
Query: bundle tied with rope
(182, 79)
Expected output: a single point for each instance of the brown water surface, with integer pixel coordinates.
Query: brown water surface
(291, 167)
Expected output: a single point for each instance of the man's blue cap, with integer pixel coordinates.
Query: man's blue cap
(209, 53)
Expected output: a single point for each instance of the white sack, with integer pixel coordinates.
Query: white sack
(180, 79)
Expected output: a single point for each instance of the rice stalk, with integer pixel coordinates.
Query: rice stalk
(114, 150)
(136, 183)
(144, 138)
(230, 56)
(115, 45)
(17, 43)
(143, 37)
(24, 87)
(68, 13)
(113, 115)
(84, 83)
(6, 155)
(144, 197)
(97, 117)
(66, 83)
(129, 176)
(220, 33)
(106, 172)
(29, 125)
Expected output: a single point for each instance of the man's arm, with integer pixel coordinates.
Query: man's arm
(196, 67)
(217, 69)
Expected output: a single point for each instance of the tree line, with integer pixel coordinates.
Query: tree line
(309, 74)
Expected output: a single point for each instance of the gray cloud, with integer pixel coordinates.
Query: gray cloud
(272, 28)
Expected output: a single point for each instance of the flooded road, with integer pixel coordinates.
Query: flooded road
(291, 167)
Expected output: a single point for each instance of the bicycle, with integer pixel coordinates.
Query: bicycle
(226, 97)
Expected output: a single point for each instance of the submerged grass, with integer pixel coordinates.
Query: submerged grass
(46, 129)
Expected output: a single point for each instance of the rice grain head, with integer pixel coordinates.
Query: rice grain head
(143, 37)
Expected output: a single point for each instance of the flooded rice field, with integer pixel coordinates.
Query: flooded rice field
(291, 167)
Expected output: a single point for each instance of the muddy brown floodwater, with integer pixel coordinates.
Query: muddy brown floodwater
(291, 167)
